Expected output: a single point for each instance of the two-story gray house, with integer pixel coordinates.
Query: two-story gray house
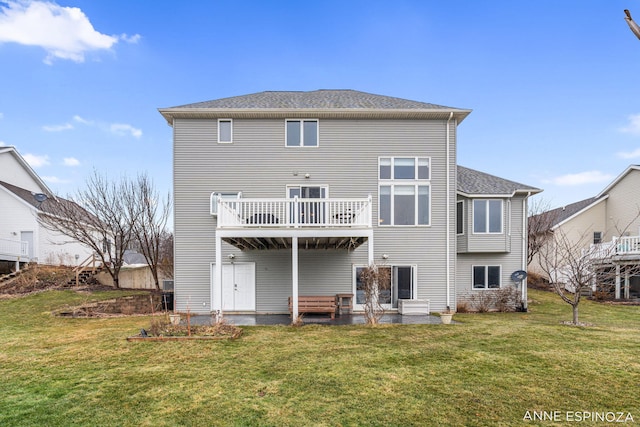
(281, 194)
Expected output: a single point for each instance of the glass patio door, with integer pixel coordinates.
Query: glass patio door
(401, 286)
(309, 212)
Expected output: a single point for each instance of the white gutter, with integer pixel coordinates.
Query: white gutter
(448, 209)
(525, 247)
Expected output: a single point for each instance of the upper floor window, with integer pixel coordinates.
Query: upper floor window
(597, 237)
(404, 192)
(302, 133)
(487, 216)
(460, 217)
(414, 168)
(225, 131)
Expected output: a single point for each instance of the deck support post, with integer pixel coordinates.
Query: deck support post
(294, 279)
(617, 281)
(626, 283)
(370, 248)
(217, 290)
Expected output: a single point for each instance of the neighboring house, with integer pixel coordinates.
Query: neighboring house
(23, 195)
(293, 193)
(607, 224)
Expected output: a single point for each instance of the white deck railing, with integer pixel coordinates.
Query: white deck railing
(294, 213)
(626, 245)
(14, 248)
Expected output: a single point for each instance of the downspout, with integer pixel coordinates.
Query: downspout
(525, 248)
(448, 212)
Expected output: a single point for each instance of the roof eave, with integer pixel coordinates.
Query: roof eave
(529, 192)
(586, 208)
(618, 179)
(170, 114)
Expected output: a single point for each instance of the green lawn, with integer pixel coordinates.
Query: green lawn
(489, 369)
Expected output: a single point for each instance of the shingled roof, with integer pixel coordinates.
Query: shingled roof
(473, 182)
(325, 102)
(324, 98)
(26, 195)
(47, 205)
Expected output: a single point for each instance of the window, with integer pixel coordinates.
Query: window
(486, 276)
(460, 217)
(487, 216)
(302, 133)
(222, 195)
(413, 168)
(597, 237)
(404, 192)
(225, 131)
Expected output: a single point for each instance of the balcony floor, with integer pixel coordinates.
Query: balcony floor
(249, 243)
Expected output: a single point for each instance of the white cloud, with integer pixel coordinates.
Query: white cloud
(629, 154)
(2, 144)
(55, 180)
(58, 128)
(63, 32)
(71, 161)
(79, 119)
(633, 127)
(1, 116)
(588, 177)
(36, 161)
(123, 129)
(131, 39)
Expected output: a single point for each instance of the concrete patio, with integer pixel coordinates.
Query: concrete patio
(309, 319)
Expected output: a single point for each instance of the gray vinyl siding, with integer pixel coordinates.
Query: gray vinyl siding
(509, 262)
(258, 164)
(485, 242)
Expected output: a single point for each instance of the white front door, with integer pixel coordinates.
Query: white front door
(238, 286)
(27, 236)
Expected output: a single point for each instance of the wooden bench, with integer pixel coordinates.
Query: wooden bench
(315, 304)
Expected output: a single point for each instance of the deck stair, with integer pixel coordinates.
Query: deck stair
(86, 271)
(7, 277)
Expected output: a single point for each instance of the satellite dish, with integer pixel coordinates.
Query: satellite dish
(40, 197)
(518, 276)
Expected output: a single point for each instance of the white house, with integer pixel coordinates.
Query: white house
(287, 194)
(22, 238)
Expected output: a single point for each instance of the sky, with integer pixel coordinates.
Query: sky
(554, 85)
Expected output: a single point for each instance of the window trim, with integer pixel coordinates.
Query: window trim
(488, 217)
(486, 277)
(416, 205)
(301, 121)
(230, 121)
(213, 204)
(415, 172)
(415, 182)
(461, 215)
(597, 235)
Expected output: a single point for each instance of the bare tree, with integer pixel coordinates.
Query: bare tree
(541, 220)
(166, 254)
(150, 229)
(374, 281)
(575, 265)
(102, 216)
